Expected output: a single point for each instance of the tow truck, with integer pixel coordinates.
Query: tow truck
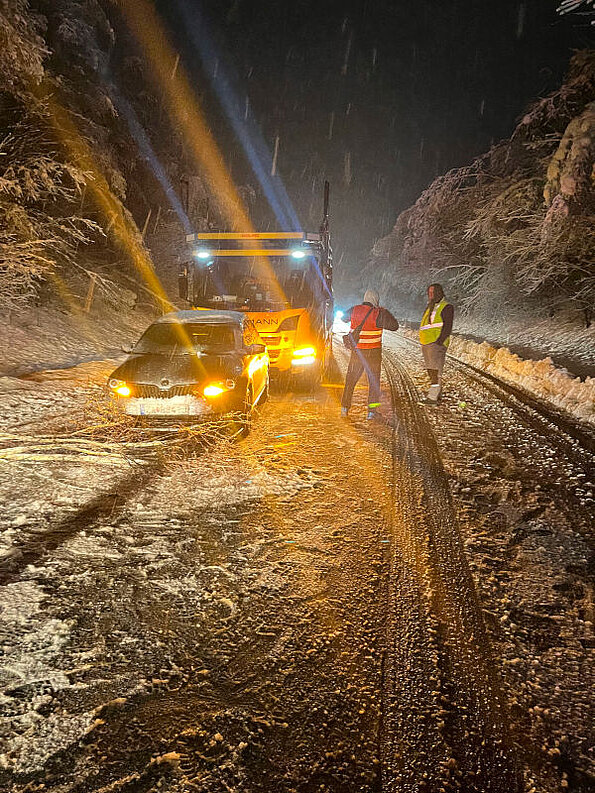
(282, 281)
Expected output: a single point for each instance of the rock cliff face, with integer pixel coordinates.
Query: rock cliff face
(511, 236)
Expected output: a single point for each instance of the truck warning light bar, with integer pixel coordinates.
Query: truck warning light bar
(244, 252)
(253, 235)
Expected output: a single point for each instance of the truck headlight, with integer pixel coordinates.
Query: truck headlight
(305, 352)
(306, 361)
(304, 356)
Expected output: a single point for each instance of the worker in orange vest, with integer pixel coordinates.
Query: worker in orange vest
(367, 320)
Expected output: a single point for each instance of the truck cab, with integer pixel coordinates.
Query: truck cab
(281, 280)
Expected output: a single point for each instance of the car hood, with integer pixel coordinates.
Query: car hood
(151, 369)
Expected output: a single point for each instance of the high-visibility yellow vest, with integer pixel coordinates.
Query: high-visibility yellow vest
(432, 324)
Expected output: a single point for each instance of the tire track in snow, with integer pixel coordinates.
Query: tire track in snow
(532, 411)
(445, 721)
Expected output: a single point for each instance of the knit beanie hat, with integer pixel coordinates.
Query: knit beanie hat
(372, 297)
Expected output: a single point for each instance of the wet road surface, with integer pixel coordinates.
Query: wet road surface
(301, 611)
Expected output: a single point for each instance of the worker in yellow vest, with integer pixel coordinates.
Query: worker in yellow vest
(434, 334)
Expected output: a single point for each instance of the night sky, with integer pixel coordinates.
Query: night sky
(379, 97)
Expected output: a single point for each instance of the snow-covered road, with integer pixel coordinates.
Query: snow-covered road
(268, 615)
(522, 480)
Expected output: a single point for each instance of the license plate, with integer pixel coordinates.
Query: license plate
(174, 406)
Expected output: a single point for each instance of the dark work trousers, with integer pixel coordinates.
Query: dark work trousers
(369, 361)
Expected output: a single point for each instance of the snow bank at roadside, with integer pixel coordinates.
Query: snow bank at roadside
(540, 378)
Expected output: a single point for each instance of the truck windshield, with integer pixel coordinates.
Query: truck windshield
(244, 286)
(186, 338)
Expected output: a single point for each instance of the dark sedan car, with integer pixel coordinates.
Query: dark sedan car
(193, 364)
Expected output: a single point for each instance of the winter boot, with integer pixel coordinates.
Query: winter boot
(433, 394)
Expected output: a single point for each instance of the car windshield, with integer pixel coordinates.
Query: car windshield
(185, 339)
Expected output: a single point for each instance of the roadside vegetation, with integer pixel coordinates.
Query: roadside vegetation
(80, 207)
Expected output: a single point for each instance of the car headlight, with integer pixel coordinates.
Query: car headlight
(119, 387)
(216, 389)
(213, 390)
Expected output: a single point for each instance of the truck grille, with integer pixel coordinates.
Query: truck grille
(154, 392)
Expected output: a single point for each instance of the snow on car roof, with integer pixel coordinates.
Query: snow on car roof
(206, 316)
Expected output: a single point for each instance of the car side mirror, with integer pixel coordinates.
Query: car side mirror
(256, 349)
(127, 348)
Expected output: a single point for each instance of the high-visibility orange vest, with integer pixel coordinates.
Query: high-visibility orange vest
(370, 336)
